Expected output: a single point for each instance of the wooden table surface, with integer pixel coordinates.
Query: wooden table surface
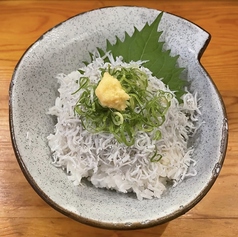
(24, 213)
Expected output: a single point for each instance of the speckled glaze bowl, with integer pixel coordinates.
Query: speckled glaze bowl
(33, 90)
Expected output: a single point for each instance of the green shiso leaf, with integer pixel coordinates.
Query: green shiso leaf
(145, 45)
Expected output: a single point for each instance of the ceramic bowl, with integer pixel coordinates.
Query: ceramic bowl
(33, 90)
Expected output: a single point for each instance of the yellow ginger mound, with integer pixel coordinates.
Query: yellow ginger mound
(110, 93)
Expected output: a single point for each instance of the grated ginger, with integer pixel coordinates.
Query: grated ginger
(110, 93)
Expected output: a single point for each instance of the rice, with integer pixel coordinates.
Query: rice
(112, 165)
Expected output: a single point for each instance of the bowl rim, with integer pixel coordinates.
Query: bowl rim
(108, 225)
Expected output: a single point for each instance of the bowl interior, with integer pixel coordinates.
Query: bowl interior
(34, 89)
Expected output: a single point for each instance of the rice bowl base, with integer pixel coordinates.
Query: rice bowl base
(110, 164)
(33, 91)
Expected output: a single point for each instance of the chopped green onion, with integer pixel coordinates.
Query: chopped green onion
(117, 118)
(156, 157)
(145, 111)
